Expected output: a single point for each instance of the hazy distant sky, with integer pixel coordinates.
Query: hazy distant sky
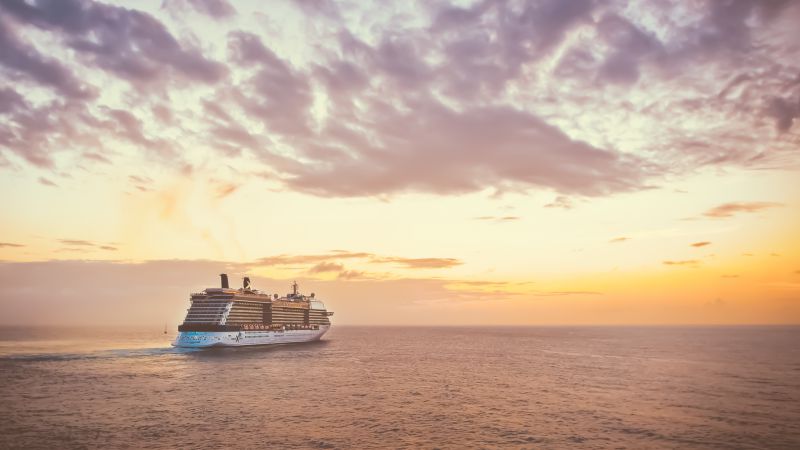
(425, 162)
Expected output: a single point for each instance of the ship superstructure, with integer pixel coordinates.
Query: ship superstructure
(245, 316)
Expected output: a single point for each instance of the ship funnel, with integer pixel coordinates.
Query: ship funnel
(246, 283)
(224, 279)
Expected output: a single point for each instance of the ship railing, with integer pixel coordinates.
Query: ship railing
(262, 327)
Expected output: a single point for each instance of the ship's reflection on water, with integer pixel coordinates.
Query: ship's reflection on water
(372, 387)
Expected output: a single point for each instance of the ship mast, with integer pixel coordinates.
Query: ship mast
(294, 288)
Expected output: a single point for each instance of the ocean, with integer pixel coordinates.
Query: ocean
(406, 387)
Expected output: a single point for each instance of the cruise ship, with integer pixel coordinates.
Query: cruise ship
(226, 317)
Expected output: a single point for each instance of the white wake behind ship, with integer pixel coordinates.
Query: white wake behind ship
(221, 317)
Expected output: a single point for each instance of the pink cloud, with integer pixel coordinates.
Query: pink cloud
(731, 209)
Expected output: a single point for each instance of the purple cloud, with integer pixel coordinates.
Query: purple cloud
(432, 148)
(216, 9)
(128, 43)
(23, 61)
(495, 95)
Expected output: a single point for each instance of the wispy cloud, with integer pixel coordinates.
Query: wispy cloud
(84, 245)
(367, 258)
(560, 202)
(418, 263)
(77, 242)
(226, 189)
(619, 239)
(325, 267)
(10, 244)
(141, 183)
(499, 219)
(563, 293)
(700, 244)
(685, 262)
(96, 157)
(47, 182)
(730, 209)
(279, 260)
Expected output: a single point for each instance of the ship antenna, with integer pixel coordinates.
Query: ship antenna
(294, 288)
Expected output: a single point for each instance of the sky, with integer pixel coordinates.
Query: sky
(412, 163)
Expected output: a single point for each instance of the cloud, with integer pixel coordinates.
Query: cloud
(76, 242)
(487, 45)
(499, 219)
(686, 262)
(129, 127)
(784, 111)
(432, 148)
(418, 263)
(24, 62)
(10, 244)
(47, 182)
(276, 94)
(326, 261)
(351, 275)
(731, 209)
(84, 245)
(96, 157)
(78, 292)
(562, 293)
(412, 143)
(619, 239)
(35, 132)
(130, 44)
(216, 9)
(226, 189)
(138, 179)
(282, 260)
(142, 183)
(560, 202)
(700, 244)
(629, 48)
(324, 8)
(495, 95)
(325, 267)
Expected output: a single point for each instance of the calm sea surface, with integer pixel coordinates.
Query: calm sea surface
(536, 387)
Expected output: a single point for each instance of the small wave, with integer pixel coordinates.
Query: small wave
(99, 354)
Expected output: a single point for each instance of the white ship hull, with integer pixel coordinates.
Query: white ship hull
(204, 339)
